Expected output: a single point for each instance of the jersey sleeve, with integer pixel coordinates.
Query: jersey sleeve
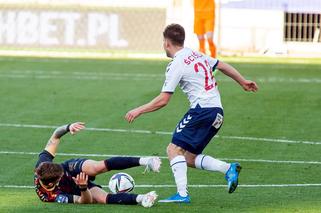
(44, 156)
(173, 77)
(213, 62)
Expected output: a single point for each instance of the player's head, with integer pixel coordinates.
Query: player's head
(49, 174)
(174, 35)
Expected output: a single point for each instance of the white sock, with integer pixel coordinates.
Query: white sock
(143, 161)
(211, 164)
(179, 169)
(139, 198)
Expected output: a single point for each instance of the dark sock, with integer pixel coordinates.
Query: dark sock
(121, 198)
(119, 163)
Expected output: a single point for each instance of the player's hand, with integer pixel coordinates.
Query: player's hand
(76, 127)
(81, 180)
(250, 86)
(132, 114)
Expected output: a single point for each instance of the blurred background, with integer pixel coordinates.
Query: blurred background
(133, 28)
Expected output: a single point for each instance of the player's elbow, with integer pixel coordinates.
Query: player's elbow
(164, 99)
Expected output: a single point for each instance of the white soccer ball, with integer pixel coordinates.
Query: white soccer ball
(121, 182)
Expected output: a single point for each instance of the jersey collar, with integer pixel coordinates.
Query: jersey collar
(179, 51)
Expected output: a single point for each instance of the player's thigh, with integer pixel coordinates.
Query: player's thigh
(99, 195)
(93, 168)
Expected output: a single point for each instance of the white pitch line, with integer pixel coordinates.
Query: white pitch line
(270, 140)
(58, 74)
(244, 138)
(295, 63)
(72, 154)
(164, 157)
(91, 77)
(199, 186)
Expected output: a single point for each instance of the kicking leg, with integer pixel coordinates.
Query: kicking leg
(205, 162)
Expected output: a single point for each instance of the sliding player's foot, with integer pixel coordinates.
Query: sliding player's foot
(149, 199)
(153, 164)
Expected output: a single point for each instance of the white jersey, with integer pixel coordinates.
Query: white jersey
(192, 70)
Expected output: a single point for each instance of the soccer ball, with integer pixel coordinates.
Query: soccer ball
(121, 182)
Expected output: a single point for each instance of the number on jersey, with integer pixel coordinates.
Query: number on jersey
(209, 79)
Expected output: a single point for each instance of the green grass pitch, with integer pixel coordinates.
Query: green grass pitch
(275, 134)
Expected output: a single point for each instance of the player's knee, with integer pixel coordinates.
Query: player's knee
(210, 41)
(168, 150)
(190, 163)
(98, 168)
(190, 160)
(173, 151)
(101, 199)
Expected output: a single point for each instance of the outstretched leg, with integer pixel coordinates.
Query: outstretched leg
(93, 168)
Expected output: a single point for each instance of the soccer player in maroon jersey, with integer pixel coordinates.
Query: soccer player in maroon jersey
(72, 180)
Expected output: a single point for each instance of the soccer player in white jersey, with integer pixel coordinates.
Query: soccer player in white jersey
(192, 71)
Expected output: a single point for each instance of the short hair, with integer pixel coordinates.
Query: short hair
(175, 33)
(49, 172)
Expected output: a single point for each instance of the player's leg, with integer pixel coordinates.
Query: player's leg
(93, 168)
(201, 42)
(209, 29)
(102, 197)
(211, 44)
(199, 30)
(179, 169)
(206, 162)
(175, 151)
(195, 159)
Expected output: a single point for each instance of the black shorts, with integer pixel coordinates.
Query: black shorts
(73, 167)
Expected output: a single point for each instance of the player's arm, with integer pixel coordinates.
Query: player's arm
(234, 74)
(54, 140)
(173, 76)
(82, 182)
(158, 102)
